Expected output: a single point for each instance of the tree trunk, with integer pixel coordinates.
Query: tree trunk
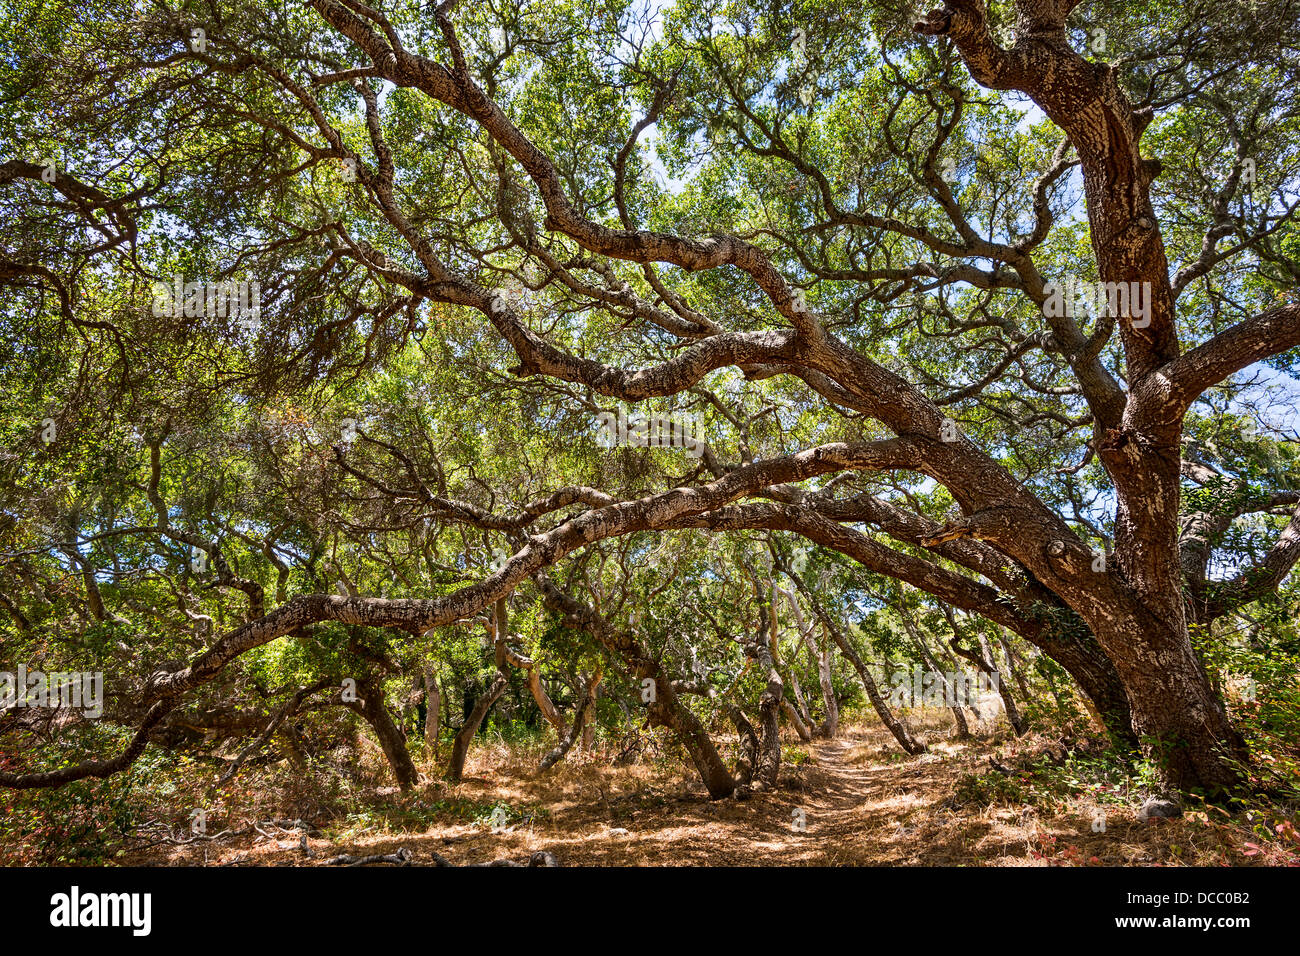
(905, 614)
(831, 725)
(896, 724)
(460, 746)
(790, 708)
(821, 661)
(1014, 717)
(1136, 607)
(800, 728)
(982, 658)
(1176, 714)
(749, 747)
(538, 690)
(664, 707)
(371, 708)
(474, 719)
(768, 770)
(668, 711)
(432, 712)
(579, 722)
(800, 703)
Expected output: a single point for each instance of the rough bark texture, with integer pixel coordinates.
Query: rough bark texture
(1175, 712)
(370, 705)
(768, 768)
(749, 747)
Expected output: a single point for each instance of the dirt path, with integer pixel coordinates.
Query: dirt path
(855, 801)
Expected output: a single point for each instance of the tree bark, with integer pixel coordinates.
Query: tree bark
(1176, 714)
(982, 658)
(768, 769)
(749, 747)
(432, 712)
(896, 724)
(579, 722)
(371, 708)
(474, 719)
(821, 661)
(464, 736)
(800, 728)
(963, 729)
(665, 707)
(1136, 608)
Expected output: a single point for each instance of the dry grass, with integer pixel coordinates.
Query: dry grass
(861, 801)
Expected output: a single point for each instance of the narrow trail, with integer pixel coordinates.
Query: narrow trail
(852, 801)
(856, 800)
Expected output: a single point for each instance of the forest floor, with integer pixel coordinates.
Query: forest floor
(855, 800)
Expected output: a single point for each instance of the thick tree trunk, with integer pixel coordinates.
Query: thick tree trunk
(768, 770)
(667, 710)
(1136, 608)
(1176, 714)
(371, 708)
